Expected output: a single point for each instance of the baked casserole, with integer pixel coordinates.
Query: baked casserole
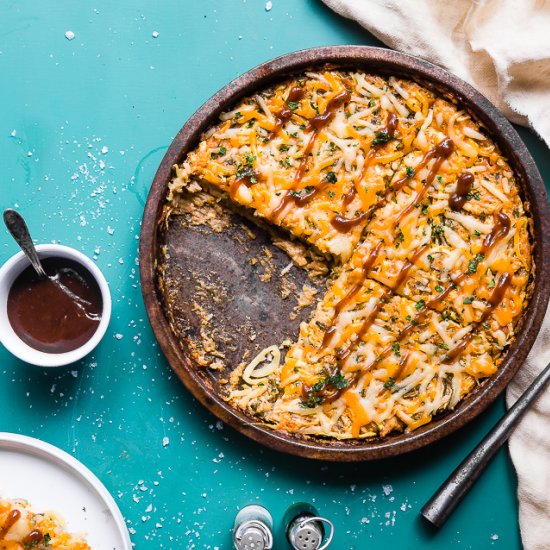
(420, 221)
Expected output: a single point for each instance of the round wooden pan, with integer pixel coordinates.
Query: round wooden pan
(206, 388)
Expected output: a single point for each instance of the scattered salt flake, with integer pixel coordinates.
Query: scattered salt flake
(268, 6)
(101, 165)
(388, 489)
(165, 441)
(494, 537)
(155, 34)
(119, 336)
(29, 154)
(110, 230)
(74, 373)
(13, 133)
(104, 150)
(69, 35)
(365, 520)
(149, 509)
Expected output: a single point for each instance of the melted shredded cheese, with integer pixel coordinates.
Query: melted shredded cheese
(348, 162)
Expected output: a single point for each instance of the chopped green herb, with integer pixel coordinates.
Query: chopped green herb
(425, 209)
(284, 148)
(250, 158)
(472, 265)
(381, 137)
(312, 401)
(47, 539)
(390, 383)
(410, 172)
(293, 105)
(430, 258)
(491, 284)
(439, 288)
(437, 231)
(331, 177)
(420, 304)
(331, 194)
(300, 193)
(396, 348)
(399, 239)
(338, 381)
(238, 114)
(468, 300)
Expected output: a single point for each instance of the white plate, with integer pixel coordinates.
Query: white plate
(50, 479)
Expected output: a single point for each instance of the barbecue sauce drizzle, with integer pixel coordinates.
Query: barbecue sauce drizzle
(389, 131)
(30, 540)
(296, 94)
(440, 152)
(9, 522)
(316, 124)
(500, 230)
(463, 186)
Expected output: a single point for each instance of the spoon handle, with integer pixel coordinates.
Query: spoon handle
(20, 232)
(449, 495)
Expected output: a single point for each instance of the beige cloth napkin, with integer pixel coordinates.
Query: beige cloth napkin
(530, 448)
(502, 47)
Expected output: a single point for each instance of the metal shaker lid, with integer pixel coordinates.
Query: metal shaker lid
(253, 535)
(252, 530)
(307, 533)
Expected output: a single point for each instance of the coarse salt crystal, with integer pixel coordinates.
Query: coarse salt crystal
(69, 35)
(268, 6)
(165, 441)
(104, 150)
(155, 34)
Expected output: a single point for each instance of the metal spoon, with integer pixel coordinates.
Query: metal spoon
(449, 495)
(20, 232)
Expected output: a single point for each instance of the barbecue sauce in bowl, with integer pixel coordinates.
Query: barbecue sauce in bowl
(57, 314)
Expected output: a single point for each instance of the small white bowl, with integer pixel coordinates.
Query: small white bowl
(11, 270)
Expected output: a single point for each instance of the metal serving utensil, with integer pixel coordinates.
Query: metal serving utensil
(449, 495)
(20, 232)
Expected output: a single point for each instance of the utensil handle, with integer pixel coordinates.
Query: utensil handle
(449, 495)
(20, 232)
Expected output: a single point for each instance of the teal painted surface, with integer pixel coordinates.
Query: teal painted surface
(92, 118)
